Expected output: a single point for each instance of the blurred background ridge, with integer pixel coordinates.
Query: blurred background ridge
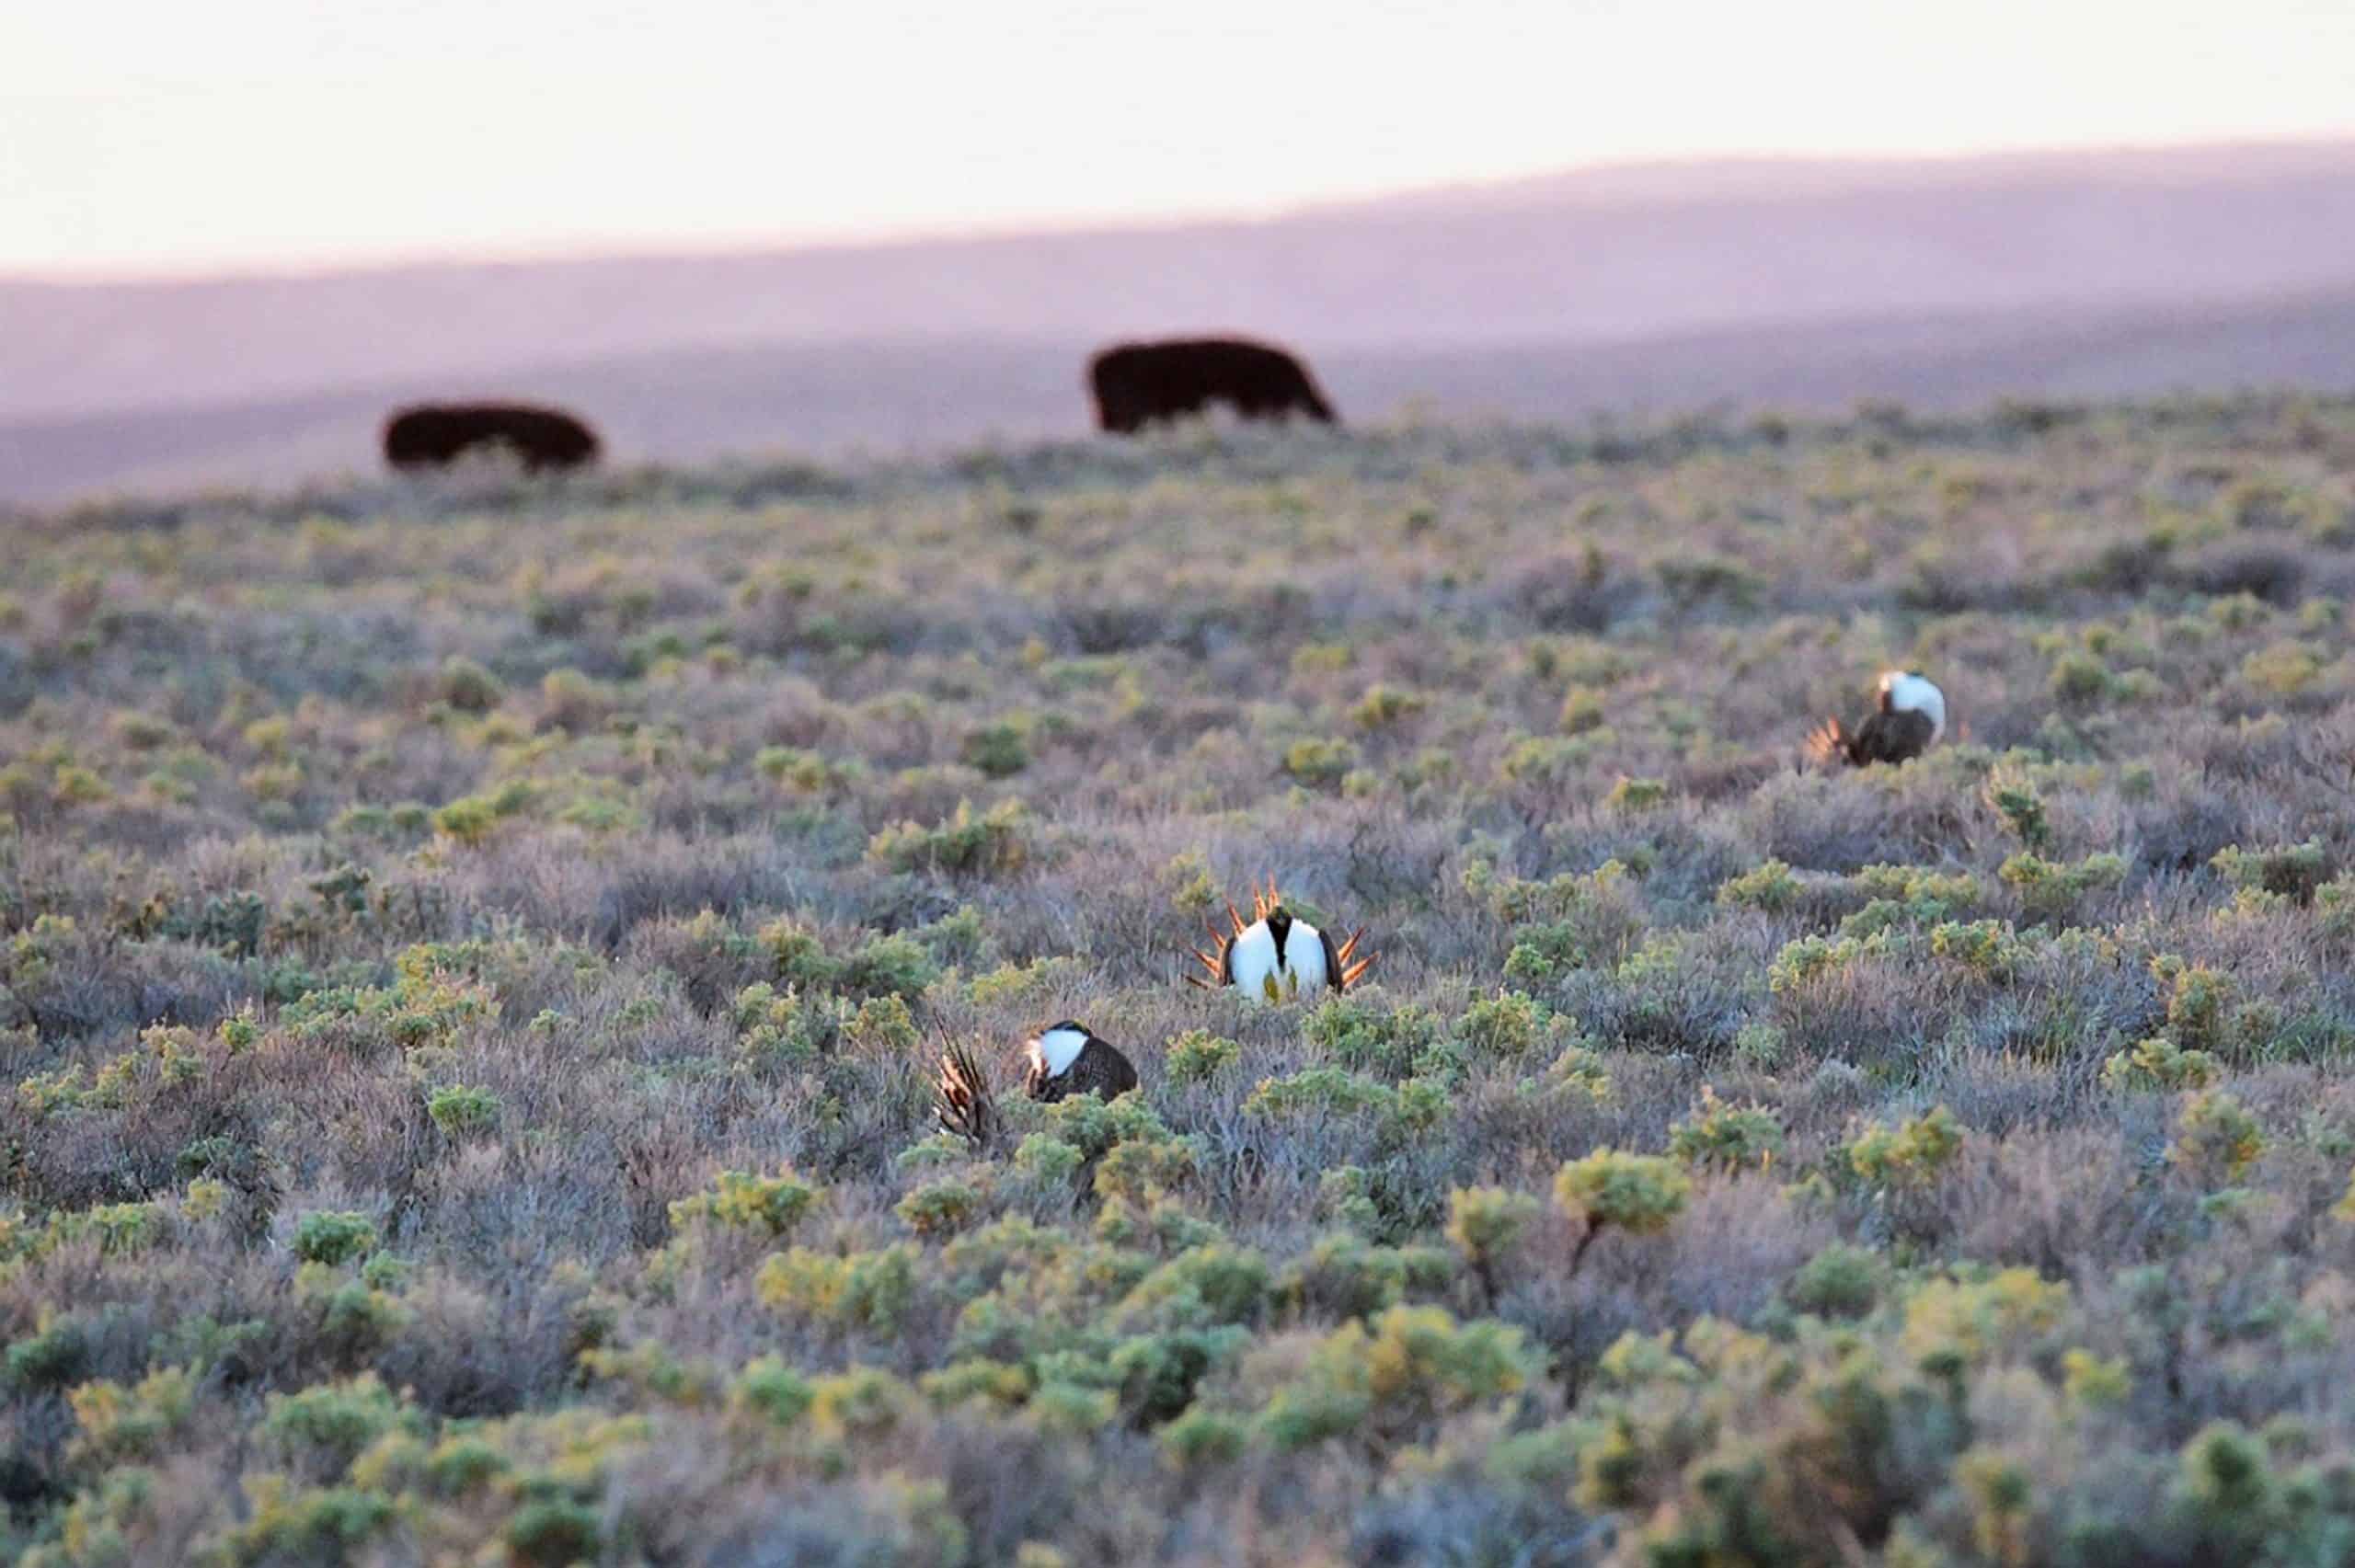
(1807, 283)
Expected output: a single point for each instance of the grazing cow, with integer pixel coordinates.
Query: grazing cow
(1135, 383)
(433, 435)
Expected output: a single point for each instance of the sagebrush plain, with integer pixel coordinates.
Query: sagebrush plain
(475, 956)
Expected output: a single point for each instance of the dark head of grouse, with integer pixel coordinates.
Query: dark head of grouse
(1909, 715)
(1276, 957)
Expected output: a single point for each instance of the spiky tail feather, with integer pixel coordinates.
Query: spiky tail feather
(1212, 961)
(1827, 743)
(966, 1110)
(1351, 971)
(1264, 901)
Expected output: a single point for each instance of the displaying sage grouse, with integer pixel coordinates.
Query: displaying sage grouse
(1276, 957)
(1909, 715)
(1065, 1059)
(1062, 1060)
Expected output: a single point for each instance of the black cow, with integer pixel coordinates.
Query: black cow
(433, 435)
(1135, 383)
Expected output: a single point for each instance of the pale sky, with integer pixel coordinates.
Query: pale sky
(194, 135)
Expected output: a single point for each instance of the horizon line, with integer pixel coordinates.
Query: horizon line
(612, 250)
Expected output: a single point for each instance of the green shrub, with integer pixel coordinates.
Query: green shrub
(1914, 1153)
(1954, 1324)
(74, 785)
(1384, 706)
(1582, 712)
(1841, 1281)
(472, 819)
(1508, 1027)
(2283, 670)
(1769, 885)
(1202, 1437)
(119, 1423)
(2335, 910)
(1047, 1159)
(2197, 1001)
(1330, 1090)
(807, 772)
(1727, 1137)
(897, 966)
(1320, 764)
(977, 1380)
(938, 1207)
(999, 750)
(791, 1030)
(862, 1405)
(1485, 1224)
(2157, 1065)
(1994, 948)
(290, 1524)
(2079, 679)
(991, 844)
(1390, 1379)
(867, 1289)
(1366, 1034)
(767, 1206)
(573, 702)
(2292, 871)
(2091, 1381)
(327, 1425)
(1761, 1045)
(469, 687)
(2226, 1490)
(464, 1464)
(1548, 759)
(52, 1358)
(883, 1027)
(2215, 1140)
(1639, 1193)
(333, 1237)
(1803, 960)
(1636, 795)
(1206, 1286)
(2054, 889)
(1197, 1056)
(2022, 809)
(1689, 581)
(462, 1112)
(553, 1532)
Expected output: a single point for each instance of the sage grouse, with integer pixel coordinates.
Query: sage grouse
(1063, 1059)
(1908, 717)
(1278, 957)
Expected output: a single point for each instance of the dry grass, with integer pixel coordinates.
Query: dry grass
(536, 873)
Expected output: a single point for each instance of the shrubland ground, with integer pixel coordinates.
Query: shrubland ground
(474, 957)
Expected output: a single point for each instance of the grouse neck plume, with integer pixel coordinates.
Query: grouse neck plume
(1277, 955)
(1067, 1058)
(1908, 717)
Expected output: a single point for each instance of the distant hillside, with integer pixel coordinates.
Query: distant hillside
(1603, 254)
(833, 401)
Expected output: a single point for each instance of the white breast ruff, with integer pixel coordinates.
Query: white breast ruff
(1057, 1049)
